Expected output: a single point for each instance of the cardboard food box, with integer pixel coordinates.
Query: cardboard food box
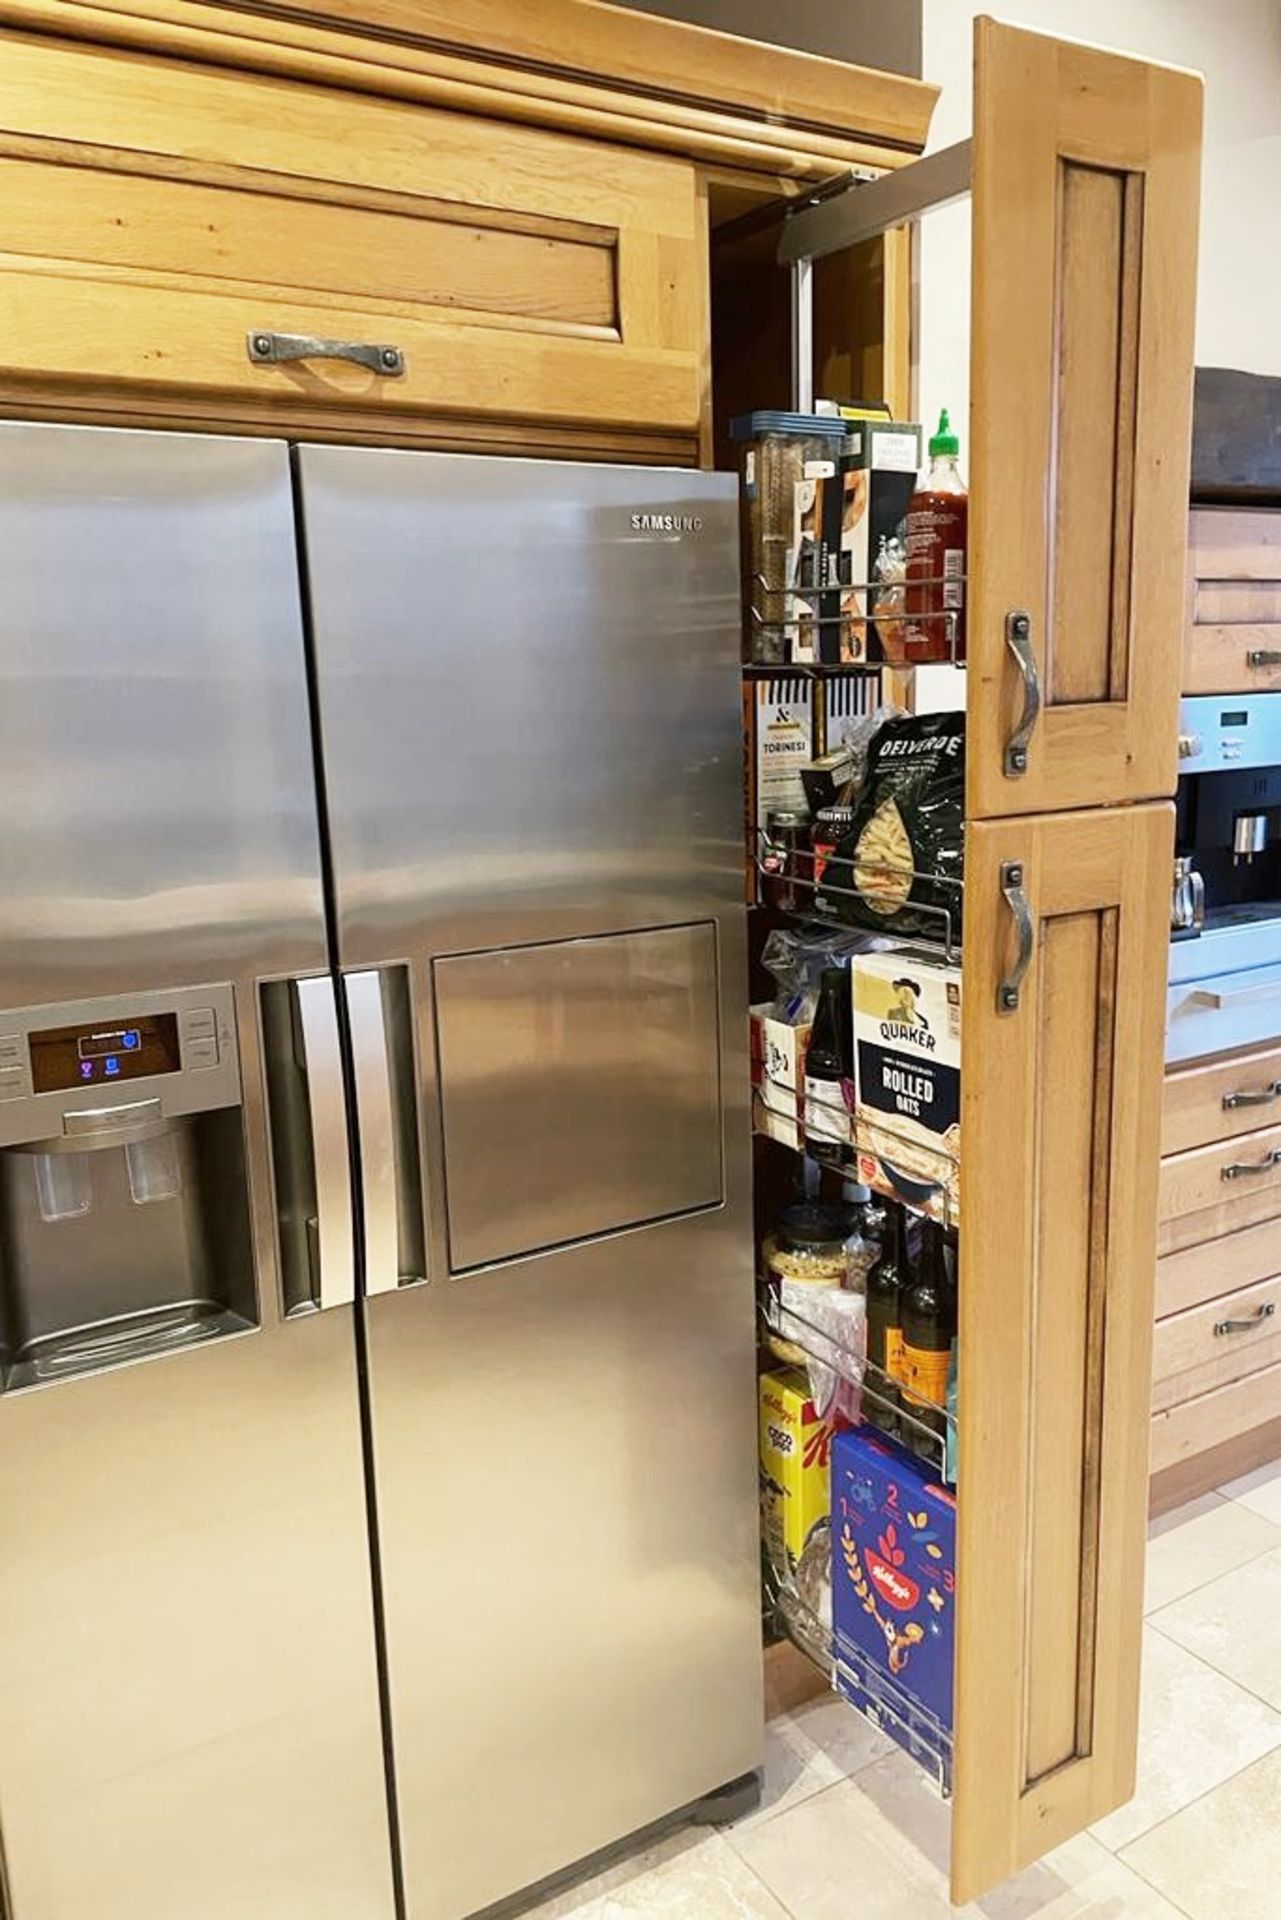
(894, 1591)
(907, 1078)
(879, 468)
(778, 1076)
(796, 1462)
(778, 728)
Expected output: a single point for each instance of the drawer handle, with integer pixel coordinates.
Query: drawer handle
(274, 349)
(1018, 638)
(1260, 1097)
(1235, 1168)
(1265, 1312)
(1263, 657)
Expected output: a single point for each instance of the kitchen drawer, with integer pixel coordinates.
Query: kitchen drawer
(1216, 1267)
(1193, 1426)
(1221, 1341)
(1227, 1216)
(1246, 1168)
(1233, 641)
(1217, 1102)
(156, 214)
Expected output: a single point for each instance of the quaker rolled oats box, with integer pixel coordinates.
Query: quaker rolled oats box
(907, 1077)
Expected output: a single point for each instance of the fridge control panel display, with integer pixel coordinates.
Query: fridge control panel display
(131, 1049)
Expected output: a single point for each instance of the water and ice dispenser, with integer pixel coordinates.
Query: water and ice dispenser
(124, 1215)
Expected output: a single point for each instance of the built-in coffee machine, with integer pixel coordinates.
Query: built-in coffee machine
(1225, 902)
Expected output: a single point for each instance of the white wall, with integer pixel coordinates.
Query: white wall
(1236, 44)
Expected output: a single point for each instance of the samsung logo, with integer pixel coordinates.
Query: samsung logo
(667, 523)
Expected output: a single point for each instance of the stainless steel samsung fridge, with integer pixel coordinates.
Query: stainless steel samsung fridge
(379, 1516)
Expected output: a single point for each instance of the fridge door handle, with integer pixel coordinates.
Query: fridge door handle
(376, 1122)
(330, 1145)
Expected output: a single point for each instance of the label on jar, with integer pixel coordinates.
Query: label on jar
(924, 1374)
(894, 1353)
(897, 452)
(826, 1116)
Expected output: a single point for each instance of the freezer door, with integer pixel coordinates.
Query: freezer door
(529, 699)
(189, 1717)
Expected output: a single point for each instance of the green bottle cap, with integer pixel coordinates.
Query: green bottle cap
(945, 441)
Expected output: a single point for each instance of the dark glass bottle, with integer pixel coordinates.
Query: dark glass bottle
(829, 1063)
(929, 1323)
(885, 1324)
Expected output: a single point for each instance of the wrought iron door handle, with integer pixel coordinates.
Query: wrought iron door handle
(274, 349)
(1265, 1312)
(1018, 638)
(1263, 657)
(1236, 1168)
(1259, 1097)
(1009, 992)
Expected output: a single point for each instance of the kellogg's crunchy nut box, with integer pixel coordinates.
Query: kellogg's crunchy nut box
(907, 1077)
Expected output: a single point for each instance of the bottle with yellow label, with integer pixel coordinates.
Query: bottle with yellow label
(929, 1323)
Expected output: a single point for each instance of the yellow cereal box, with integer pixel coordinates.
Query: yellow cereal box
(796, 1454)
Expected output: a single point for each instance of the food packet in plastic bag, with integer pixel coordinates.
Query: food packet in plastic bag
(832, 1328)
(897, 863)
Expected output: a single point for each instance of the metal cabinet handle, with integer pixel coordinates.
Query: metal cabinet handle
(1018, 638)
(1256, 1319)
(377, 1130)
(1236, 1168)
(1010, 990)
(330, 1147)
(274, 349)
(1263, 657)
(1246, 1097)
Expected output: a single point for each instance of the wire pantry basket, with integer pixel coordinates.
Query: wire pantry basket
(941, 916)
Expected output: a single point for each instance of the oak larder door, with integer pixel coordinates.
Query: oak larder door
(1086, 181)
(1061, 1124)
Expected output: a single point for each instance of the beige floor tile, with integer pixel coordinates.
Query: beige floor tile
(876, 1848)
(689, 1875)
(1260, 1491)
(795, 1768)
(1221, 1857)
(838, 1855)
(1195, 1729)
(1235, 1625)
(1195, 1545)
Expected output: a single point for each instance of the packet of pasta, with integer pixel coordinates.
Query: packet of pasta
(898, 863)
(907, 1078)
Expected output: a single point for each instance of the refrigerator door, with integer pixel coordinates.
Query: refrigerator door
(529, 699)
(189, 1712)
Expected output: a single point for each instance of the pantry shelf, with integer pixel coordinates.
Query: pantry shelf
(777, 870)
(932, 1189)
(932, 1439)
(862, 1688)
(778, 634)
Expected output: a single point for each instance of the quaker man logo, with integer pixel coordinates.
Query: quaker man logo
(667, 523)
(905, 1021)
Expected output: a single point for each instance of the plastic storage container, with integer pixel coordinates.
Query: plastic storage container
(780, 452)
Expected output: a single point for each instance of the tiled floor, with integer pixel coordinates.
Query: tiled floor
(849, 1827)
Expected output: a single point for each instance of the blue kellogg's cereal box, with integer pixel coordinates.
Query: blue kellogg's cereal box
(894, 1593)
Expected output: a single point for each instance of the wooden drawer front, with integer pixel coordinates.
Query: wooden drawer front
(1195, 1425)
(1234, 620)
(1191, 1355)
(1218, 1102)
(1245, 1168)
(1230, 1216)
(155, 213)
(1216, 1268)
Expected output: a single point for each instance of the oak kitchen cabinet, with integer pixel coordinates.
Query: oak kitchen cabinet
(562, 223)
